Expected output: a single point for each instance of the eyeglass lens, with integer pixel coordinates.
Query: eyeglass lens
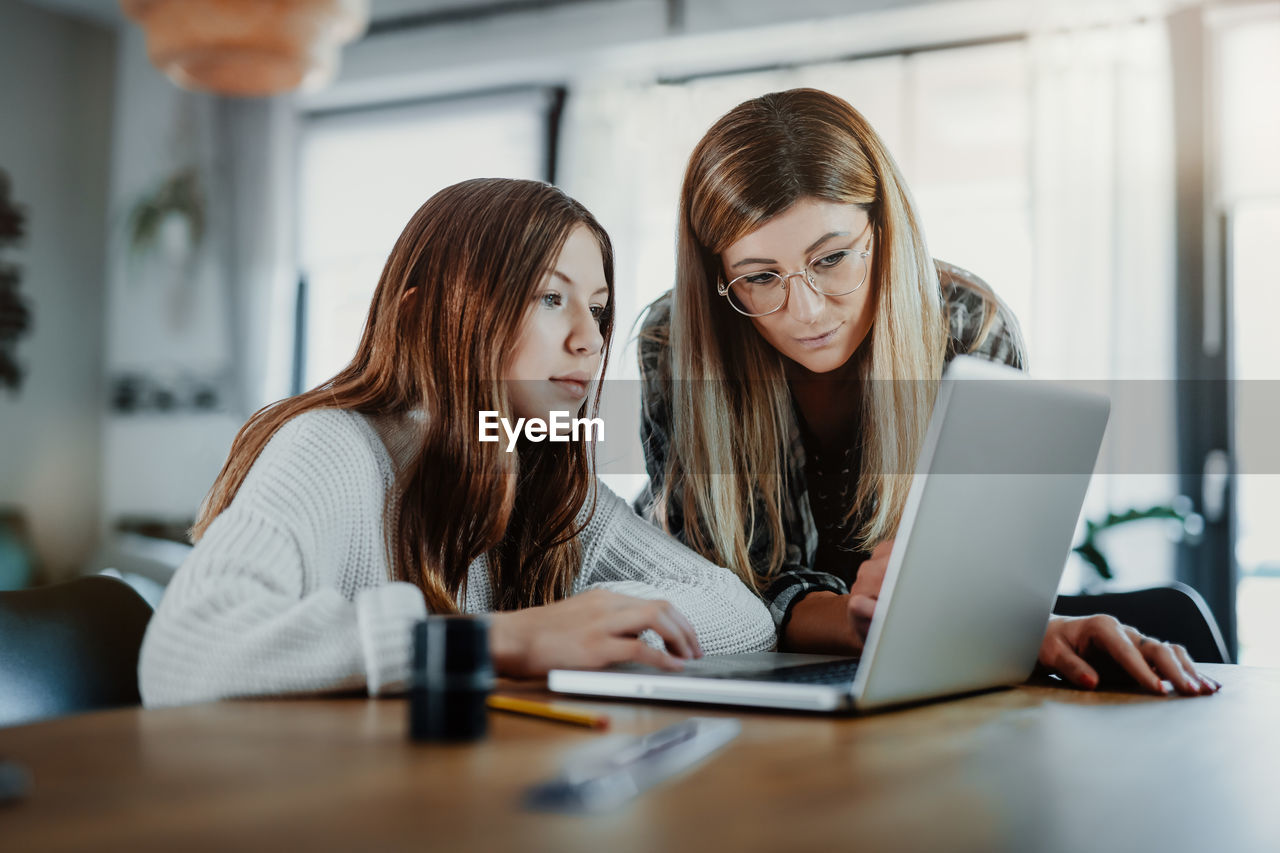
(833, 274)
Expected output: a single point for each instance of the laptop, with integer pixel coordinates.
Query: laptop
(971, 581)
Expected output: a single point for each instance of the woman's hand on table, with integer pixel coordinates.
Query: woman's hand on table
(1070, 640)
(596, 629)
(838, 624)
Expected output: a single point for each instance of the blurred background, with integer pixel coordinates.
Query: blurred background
(172, 260)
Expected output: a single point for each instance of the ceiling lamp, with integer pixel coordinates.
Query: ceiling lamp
(248, 47)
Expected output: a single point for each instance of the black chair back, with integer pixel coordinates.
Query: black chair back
(69, 647)
(1175, 613)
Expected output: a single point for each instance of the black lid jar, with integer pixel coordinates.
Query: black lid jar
(451, 678)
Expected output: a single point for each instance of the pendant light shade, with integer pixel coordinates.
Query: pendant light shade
(248, 47)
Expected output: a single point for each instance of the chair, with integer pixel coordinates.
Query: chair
(1175, 613)
(68, 648)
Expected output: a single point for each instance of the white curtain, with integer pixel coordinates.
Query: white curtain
(1102, 302)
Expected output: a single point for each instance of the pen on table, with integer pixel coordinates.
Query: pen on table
(550, 712)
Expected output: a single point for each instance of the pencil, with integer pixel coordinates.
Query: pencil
(547, 711)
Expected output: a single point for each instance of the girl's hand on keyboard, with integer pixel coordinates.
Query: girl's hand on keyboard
(595, 629)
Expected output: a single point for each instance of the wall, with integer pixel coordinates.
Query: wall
(582, 42)
(55, 119)
(172, 315)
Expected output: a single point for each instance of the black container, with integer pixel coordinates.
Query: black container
(451, 679)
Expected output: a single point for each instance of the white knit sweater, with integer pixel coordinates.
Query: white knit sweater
(289, 590)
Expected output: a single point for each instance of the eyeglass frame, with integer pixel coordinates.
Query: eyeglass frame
(723, 288)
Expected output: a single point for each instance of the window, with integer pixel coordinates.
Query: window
(1249, 181)
(364, 173)
(1254, 229)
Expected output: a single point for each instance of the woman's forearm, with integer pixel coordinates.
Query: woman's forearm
(820, 624)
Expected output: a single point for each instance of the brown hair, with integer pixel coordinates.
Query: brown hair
(447, 310)
(731, 407)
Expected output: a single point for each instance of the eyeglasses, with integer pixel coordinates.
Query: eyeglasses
(836, 273)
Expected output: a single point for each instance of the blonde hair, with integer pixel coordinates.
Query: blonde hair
(730, 402)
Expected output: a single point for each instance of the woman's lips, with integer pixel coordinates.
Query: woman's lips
(819, 341)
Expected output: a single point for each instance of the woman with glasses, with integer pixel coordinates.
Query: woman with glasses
(345, 514)
(789, 376)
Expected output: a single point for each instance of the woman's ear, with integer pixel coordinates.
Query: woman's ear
(409, 295)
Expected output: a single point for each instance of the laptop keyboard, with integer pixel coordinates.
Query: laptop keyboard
(832, 672)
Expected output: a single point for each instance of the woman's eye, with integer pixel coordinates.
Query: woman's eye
(600, 312)
(551, 300)
(760, 278)
(832, 259)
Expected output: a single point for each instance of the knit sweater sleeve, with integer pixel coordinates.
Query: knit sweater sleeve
(287, 592)
(626, 554)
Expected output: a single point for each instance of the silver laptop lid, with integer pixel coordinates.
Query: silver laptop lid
(984, 536)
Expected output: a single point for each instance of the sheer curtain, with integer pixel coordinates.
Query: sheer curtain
(1248, 196)
(1102, 301)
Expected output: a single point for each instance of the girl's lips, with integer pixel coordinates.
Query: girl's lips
(577, 387)
(819, 340)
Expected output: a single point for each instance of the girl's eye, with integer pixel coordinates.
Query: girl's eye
(600, 312)
(551, 300)
(832, 259)
(760, 278)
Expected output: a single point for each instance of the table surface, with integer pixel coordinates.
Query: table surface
(1029, 768)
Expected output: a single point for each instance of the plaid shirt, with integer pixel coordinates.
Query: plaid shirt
(795, 579)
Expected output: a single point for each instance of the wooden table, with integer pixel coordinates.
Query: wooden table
(1033, 768)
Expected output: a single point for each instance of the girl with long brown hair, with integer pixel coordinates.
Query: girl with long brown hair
(790, 373)
(346, 513)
